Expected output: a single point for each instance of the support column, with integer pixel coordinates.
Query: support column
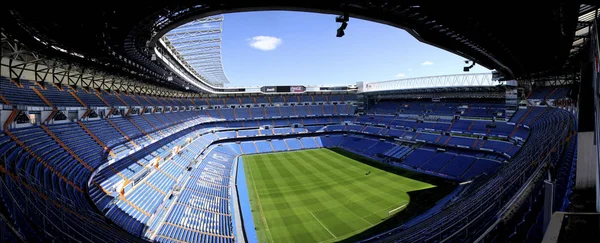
(548, 202)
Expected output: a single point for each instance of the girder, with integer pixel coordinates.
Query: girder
(443, 81)
(197, 45)
(19, 63)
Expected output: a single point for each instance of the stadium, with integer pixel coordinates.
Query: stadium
(119, 125)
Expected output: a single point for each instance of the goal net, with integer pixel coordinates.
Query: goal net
(395, 210)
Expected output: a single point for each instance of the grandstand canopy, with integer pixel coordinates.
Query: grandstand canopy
(503, 36)
(197, 45)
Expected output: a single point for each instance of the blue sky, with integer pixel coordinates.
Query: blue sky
(281, 48)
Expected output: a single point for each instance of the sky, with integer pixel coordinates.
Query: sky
(286, 48)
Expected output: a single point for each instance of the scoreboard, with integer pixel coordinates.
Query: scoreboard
(283, 89)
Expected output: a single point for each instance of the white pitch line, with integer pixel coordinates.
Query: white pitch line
(260, 206)
(322, 224)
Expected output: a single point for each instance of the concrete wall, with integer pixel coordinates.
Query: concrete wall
(586, 161)
(3, 117)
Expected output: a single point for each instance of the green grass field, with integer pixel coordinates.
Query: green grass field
(320, 195)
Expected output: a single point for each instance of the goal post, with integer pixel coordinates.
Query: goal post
(395, 210)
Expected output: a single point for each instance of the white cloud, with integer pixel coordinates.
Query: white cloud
(264, 43)
(426, 63)
(400, 75)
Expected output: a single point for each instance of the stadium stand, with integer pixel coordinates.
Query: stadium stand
(106, 139)
(150, 159)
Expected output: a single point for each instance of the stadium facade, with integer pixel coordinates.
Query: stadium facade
(142, 143)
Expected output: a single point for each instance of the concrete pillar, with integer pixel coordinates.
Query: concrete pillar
(548, 202)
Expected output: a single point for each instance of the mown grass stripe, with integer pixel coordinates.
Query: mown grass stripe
(320, 195)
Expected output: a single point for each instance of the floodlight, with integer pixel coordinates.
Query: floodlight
(466, 69)
(340, 32)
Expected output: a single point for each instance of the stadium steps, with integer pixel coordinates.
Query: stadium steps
(43, 162)
(538, 116)
(550, 95)
(447, 163)
(271, 144)
(451, 124)
(46, 101)
(240, 145)
(146, 99)
(4, 100)
(133, 97)
(475, 143)
(122, 133)
(121, 99)
(473, 122)
(427, 161)
(175, 123)
(509, 149)
(110, 152)
(317, 143)
(77, 98)
(65, 147)
(220, 115)
(468, 168)
(481, 144)
(170, 123)
(139, 128)
(14, 81)
(526, 114)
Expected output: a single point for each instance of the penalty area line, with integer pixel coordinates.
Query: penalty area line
(322, 224)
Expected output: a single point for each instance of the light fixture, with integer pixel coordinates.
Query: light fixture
(342, 19)
(467, 68)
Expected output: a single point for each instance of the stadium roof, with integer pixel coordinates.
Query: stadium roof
(506, 37)
(587, 13)
(197, 45)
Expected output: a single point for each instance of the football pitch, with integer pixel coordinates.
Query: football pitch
(320, 195)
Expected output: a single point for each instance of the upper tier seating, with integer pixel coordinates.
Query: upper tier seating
(442, 108)
(59, 96)
(545, 93)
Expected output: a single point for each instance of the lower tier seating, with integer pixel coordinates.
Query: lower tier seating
(166, 177)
